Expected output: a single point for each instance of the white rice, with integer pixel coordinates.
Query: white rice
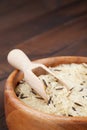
(61, 102)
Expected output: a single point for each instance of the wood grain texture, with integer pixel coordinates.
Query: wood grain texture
(41, 29)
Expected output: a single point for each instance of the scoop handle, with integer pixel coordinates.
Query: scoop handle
(19, 60)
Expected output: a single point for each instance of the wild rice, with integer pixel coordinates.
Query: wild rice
(60, 101)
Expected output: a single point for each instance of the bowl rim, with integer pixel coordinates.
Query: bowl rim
(9, 90)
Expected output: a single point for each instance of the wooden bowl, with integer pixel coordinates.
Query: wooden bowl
(22, 117)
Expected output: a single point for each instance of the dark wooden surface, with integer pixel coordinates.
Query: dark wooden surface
(41, 29)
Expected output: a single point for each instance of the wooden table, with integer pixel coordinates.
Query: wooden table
(41, 30)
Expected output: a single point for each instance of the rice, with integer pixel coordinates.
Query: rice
(61, 102)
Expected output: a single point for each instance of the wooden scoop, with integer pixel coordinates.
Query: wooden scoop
(19, 60)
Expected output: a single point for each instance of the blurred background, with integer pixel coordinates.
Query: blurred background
(41, 28)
